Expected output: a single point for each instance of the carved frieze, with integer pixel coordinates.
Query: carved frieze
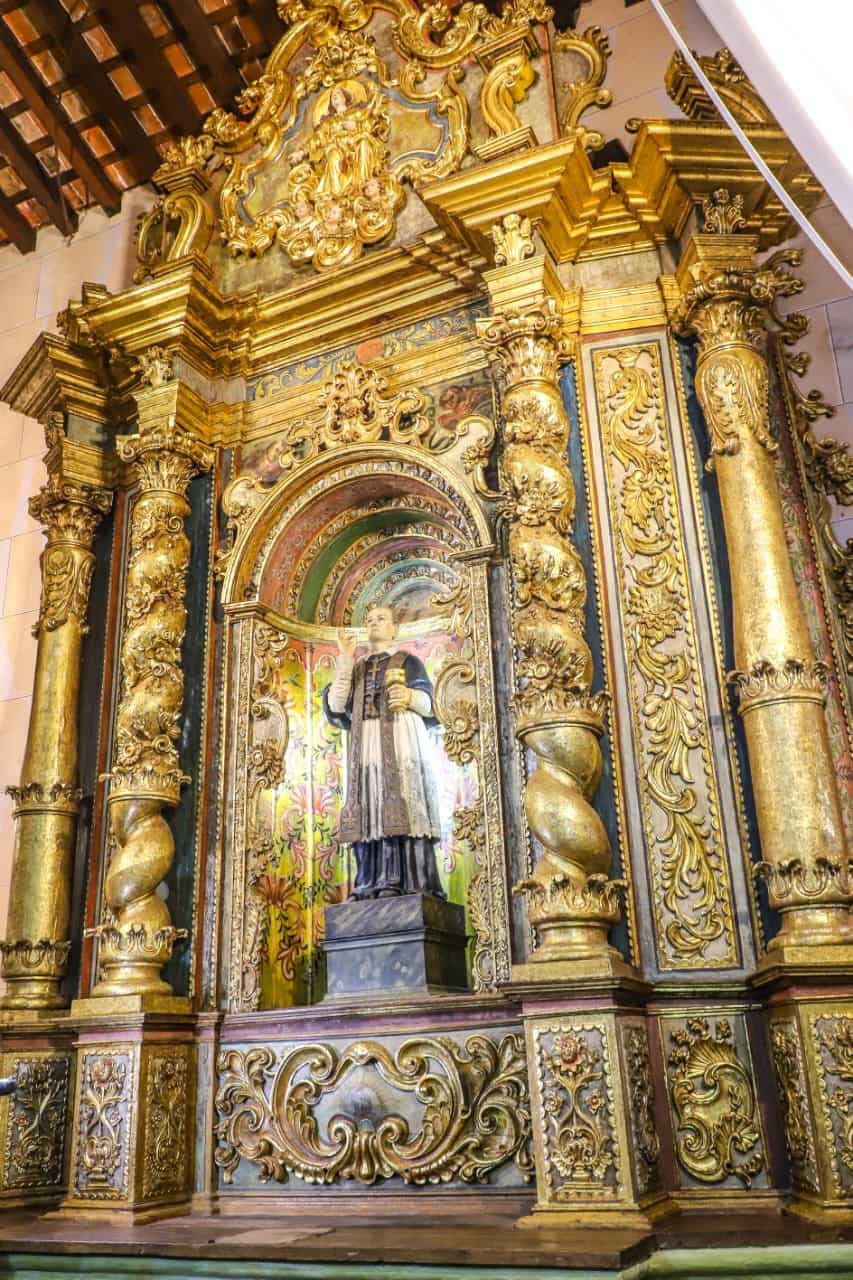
(470, 1111)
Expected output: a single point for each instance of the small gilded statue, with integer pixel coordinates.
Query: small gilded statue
(391, 817)
(340, 192)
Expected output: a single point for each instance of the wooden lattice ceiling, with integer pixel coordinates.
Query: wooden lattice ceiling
(90, 90)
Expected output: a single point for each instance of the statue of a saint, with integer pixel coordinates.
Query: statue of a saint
(384, 700)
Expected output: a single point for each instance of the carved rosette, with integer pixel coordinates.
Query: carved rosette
(460, 1111)
(570, 900)
(137, 937)
(46, 801)
(728, 304)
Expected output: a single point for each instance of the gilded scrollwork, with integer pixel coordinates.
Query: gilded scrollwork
(102, 1147)
(833, 1039)
(355, 407)
(36, 1124)
(585, 57)
(472, 1099)
(344, 187)
(828, 466)
(791, 1084)
(167, 1100)
(717, 1133)
(575, 1096)
(691, 890)
(640, 1107)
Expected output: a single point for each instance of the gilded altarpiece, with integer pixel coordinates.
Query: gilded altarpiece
(405, 340)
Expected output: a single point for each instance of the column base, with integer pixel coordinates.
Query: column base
(607, 964)
(820, 1213)
(142, 1002)
(131, 1133)
(608, 1218)
(826, 961)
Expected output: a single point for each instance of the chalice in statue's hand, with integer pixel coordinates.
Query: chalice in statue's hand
(399, 694)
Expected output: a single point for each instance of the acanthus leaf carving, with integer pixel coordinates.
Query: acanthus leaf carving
(474, 1098)
(717, 1131)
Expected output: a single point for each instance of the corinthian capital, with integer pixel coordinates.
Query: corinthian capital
(165, 456)
(70, 512)
(726, 304)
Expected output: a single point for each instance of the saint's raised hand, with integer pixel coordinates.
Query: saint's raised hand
(347, 642)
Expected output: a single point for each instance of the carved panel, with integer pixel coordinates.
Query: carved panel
(681, 808)
(101, 1160)
(430, 1110)
(35, 1121)
(168, 1093)
(639, 1098)
(789, 1068)
(718, 1137)
(832, 1046)
(577, 1143)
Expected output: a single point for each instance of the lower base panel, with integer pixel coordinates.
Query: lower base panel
(282, 1240)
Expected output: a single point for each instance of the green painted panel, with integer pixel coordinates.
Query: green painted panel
(780, 1262)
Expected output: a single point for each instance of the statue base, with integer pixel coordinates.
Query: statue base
(412, 943)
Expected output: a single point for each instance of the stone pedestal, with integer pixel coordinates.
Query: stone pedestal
(412, 943)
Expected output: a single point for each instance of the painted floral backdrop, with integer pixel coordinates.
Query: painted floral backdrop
(306, 870)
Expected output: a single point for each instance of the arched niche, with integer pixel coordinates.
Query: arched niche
(310, 554)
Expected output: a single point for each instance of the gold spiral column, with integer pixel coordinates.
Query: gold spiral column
(46, 802)
(138, 936)
(728, 301)
(571, 900)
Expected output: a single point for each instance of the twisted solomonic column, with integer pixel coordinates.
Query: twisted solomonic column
(571, 900)
(47, 801)
(137, 938)
(780, 685)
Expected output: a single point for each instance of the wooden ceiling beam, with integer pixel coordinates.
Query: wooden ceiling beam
(223, 80)
(38, 183)
(131, 34)
(266, 15)
(55, 123)
(93, 81)
(15, 226)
